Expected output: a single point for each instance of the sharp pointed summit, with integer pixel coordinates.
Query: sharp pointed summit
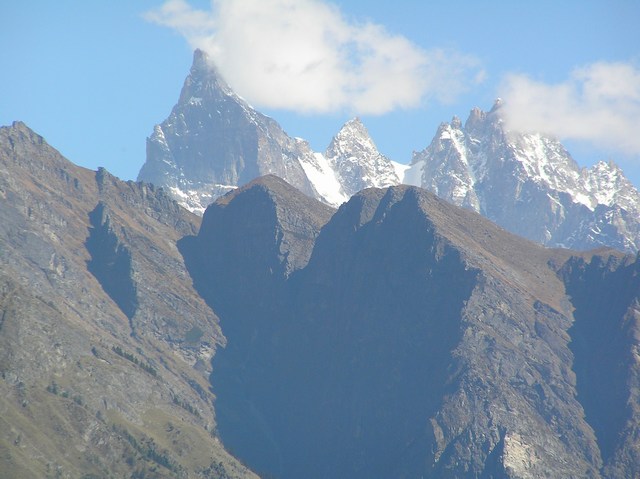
(204, 80)
(497, 104)
(357, 162)
(201, 60)
(214, 141)
(529, 184)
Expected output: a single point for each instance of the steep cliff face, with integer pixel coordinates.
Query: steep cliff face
(105, 346)
(418, 339)
(214, 141)
(110, 261)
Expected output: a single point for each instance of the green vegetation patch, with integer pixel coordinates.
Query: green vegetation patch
(134, 359)
(148, 449)
(193, 335)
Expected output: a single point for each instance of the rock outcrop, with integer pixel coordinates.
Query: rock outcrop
(105, 346)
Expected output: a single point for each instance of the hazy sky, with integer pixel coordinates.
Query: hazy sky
(93, 77)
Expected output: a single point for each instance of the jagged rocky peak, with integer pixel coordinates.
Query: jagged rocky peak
(214, 141)
(353, 137)
(475, 119)
(528, 183)
(204, 80)
(443, 167)
(611, 187)
(357, 163)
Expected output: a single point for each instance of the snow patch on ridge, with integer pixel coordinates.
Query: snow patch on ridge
(400, 170)
(413, 174)
(323, 179)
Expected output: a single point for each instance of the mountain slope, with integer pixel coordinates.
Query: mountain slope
(605, 338)
(213, 141)
(105, 346)
(529, 184)
(357, 162)
(399, 336)
(418, 339)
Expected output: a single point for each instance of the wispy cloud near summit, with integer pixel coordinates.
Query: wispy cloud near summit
(305, 56)
(598, 103)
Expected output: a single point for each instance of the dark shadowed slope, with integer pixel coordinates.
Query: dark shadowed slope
(419, 339)
(605, 336)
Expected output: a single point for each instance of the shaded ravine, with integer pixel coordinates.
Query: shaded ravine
(110, 262)
(602, 292)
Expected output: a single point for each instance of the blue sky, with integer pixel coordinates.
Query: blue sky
(94, 77)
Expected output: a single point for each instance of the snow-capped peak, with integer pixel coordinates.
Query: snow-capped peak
(357, 162)
(528, 183)
(352, 138)
(608, 186)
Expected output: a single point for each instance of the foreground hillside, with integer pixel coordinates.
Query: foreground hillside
(415, 339)
(399, 336)
(104, 345)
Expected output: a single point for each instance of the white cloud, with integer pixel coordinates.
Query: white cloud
(599, 104)
(303, 55)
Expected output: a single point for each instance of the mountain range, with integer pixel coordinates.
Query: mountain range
(529, 184)
(214, 141)
(266, 333)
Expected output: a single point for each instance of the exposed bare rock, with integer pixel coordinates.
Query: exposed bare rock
(529, 184)
(104, 345)
(214, 141)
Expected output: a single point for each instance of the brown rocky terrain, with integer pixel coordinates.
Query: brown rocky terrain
(399, 336)
(104, 345)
